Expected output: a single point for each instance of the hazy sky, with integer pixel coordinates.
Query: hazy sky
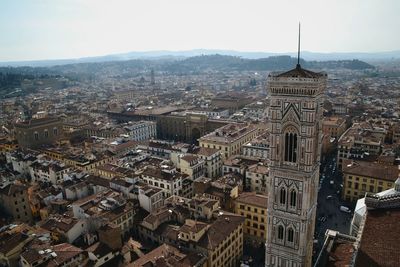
(53, 29)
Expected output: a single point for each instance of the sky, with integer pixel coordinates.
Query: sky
(58, 29)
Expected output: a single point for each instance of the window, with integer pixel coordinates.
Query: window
(291, 147)
(290, 234)
(55, 131)
(36, 135)
(293, 198)
(280, 232)
(282, 198)
(46, 133)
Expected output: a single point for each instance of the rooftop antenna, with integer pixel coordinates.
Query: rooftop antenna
(298, 50)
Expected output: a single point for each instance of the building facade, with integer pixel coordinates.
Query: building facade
(295, 142)
(34, 133)
(14, 201)
(360, 177)
(230, 138)
(253, 207)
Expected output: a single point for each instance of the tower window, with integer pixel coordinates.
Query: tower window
(282, 196)
(291, 147)
(280, 232)
(293, 198)
(290, 236)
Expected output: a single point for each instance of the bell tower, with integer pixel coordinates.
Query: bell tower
(295, 111)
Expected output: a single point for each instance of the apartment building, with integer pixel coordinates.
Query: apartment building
(253, 207)
(360, 141)
(191, 165)
(360, 177)
(229, 139)
(212, 161)
(333, 126)
(257, 178)
(105, 207)
(141, 130)
(166, 178)
(14, 201)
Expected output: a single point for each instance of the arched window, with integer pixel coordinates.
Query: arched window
(282, 196)
(280, 232)
(293, 198)
(290, 235)
(290, 146)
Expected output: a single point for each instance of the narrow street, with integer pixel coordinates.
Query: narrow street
(329, 215)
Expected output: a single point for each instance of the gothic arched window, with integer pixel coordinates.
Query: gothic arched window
(280, 232)
(290, 235)
(291, 146)
(293, 198)
(282, 196)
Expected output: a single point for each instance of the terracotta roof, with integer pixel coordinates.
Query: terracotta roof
(299, 72)
(9, 241)
(338, 250)
(206, 151)
(220, 230)
(380, 244)
(62, 253)
(11, 189)
(191, 226)
(341, 254)
(99, 249)
(371, 169)
(59, 223)
(251, 198)
(164, 255)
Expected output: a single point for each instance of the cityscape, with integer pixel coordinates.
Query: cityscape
(198, 157)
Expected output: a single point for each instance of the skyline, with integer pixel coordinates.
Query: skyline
(45, 30)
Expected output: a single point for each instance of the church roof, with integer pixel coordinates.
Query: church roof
(299, 72)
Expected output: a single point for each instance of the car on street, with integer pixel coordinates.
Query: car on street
(344, 209)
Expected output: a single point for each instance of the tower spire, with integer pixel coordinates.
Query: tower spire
(298, 50)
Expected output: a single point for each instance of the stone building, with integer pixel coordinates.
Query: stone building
(230, 138)
(174, 124)
(34, 133)
(15, 202)
(295, 143)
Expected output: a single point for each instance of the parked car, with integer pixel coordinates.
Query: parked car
(328, 197)
(345, 209)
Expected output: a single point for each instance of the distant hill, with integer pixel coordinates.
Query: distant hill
(195, 64)
(177, 55)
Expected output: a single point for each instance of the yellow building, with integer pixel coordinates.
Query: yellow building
(229, 139)
(254, 208)
(223, 242)
(360, 177)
